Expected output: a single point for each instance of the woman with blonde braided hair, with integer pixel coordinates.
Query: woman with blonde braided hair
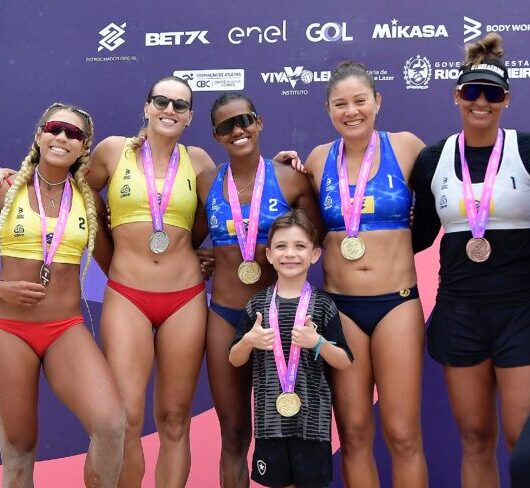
(46, 221)
(155, 278)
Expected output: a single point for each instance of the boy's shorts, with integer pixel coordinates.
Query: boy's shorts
(287, 461)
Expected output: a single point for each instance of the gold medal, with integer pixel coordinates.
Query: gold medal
(352, 248)
(288, 404)
(478, 249)
(249, 272)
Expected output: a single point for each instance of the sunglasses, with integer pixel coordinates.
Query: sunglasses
(471, 91)
(55, 127)
(161, 102)
(227, 126)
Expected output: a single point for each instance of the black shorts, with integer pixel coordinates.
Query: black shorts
(290, 460)
(466, 334)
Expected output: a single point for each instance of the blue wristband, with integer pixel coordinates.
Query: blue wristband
(320, 343)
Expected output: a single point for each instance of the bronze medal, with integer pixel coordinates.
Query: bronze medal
(158, 242)
(45, 275)
(288, 404)
(249, 272)
(352, 248)
(478, 249)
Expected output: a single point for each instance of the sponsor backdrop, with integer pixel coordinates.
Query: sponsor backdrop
(104, 56)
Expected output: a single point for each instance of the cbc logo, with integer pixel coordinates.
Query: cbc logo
(329, 32)
(203, 83)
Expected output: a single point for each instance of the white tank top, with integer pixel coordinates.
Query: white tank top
(510, 203)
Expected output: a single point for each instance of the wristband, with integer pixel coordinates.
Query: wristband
(319, 344)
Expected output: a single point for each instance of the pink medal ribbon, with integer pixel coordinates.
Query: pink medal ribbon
(58, 232)
(287, 373)
(247, 239)
(352, 211)
(159, 240)
(478, 218)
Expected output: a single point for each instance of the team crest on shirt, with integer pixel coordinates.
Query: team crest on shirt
(127, 174)
(328, 203)
(125, 191)
(462, 206)
(231, 228)
(18, 230)
(20, 213)
(443, 202)
(49, 237)
(368, 205)
(262, 467)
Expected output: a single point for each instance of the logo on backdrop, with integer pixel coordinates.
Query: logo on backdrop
(270, 34)
(417, 73)
(292, 76)
(213, 79)
(111, 36)
(473, 28)
(393, 30)
(329, 32)
(449, 69)
(175, 38)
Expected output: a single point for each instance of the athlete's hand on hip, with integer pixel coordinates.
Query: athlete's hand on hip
(305, 336)
(259, 337)
(290, 157)
(21, 292)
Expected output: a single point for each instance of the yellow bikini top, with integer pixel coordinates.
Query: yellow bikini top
(21, 234)
(128, 199)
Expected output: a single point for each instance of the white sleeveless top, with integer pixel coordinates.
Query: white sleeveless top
(510, 203)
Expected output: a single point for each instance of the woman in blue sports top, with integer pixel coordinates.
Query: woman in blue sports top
(236, 126)
(369, 272)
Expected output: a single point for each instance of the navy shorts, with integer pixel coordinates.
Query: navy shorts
(292, 461)
(467, 334)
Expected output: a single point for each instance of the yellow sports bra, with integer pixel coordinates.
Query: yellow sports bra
(128, 199)
(21, 233)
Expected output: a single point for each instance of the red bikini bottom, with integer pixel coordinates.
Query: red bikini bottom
(157, 306)
(39, 335)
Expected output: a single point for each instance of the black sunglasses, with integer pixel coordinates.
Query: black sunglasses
(471, 91)
(227, 126)
(55, 127)
(161, 102)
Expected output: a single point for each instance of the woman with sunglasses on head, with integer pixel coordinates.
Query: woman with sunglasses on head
(477, 185)
(155, 279)
(48, 217)
(239, 200)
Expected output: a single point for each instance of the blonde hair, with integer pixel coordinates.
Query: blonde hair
(489, 47)
(78, 169)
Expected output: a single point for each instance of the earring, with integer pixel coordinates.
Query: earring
(456, 103)
(506, 106)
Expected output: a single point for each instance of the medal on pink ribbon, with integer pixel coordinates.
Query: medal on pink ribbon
(159, 240)
(288, 402)
(249, 270)
(58, 232)
(478, 249)
(352, 246)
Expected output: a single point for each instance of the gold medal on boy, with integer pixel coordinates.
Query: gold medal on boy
(249, 272)
(352, 248)
(288, 404)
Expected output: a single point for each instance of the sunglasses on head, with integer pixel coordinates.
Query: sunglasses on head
(161, 102)
(55, 127)
(471, 92)
(227, 126)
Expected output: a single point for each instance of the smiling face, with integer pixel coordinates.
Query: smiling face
(57, 149)
(240, 141)
(291, 252)
(352, 107)
(480, 114)
(167, 122)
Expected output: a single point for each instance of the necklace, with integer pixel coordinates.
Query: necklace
(245, 187)
(49, 183)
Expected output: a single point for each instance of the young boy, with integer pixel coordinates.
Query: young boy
(292, 398)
